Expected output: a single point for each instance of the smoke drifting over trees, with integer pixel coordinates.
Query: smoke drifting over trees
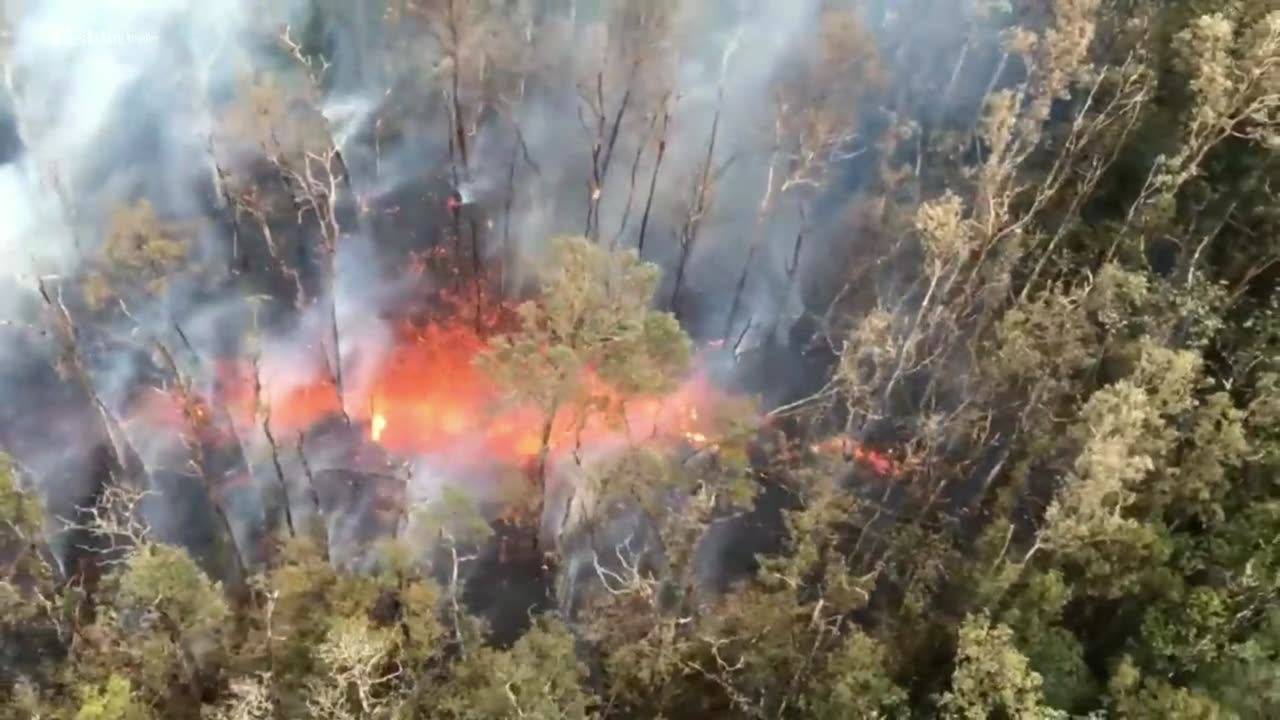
(596, 358)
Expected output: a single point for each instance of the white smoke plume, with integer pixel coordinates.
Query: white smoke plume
(121, 100)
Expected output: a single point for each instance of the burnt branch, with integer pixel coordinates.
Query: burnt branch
(200, 432)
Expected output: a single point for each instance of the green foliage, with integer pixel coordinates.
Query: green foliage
(855, 683)
(455, 516)
(1034, 612)
(24, 572)
(112, 701)
(1143, 698)
(350, 679)
(21, 513)
(992, 678)
(140, 250)
(538, 677)
(592, 314)
(1188, 628)
(1057, 336)
(164, 580)
(1248, 681)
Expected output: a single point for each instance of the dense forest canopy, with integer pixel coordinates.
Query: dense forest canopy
(656, 359)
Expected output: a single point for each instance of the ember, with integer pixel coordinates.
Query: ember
(877, 461)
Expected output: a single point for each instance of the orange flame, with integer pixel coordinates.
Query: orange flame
(879, 462)
(428, 397)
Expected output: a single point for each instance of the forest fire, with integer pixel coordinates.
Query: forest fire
(429, 397)
(377, 426)
(879, 462)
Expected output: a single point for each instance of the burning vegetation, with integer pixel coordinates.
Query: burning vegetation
(603, 359)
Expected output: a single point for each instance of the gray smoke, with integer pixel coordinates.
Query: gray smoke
(119, 101)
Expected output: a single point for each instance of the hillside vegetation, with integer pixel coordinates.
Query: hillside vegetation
(1034, 473)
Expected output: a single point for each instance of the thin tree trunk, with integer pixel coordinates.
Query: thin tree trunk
(761, 217)
(124, 459)
(275, 449)
(603, 174)
(336, 338)
(693, 223)
(508, 257)
(196, 445)
(792, 269)
(653, 182)
(631, 188)
(459, 126)
(540, 476)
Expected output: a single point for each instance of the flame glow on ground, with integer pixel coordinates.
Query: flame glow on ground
(430, 398)
(842, 446)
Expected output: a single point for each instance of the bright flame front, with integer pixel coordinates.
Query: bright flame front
(429, 397)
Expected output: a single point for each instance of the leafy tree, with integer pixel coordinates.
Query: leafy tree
(1143, 697)
(592, 319)
(1038, 482)
(855, 682)
(162, 579)
(112, 701)
(540, 676)
(992, 679)
(140, 250)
